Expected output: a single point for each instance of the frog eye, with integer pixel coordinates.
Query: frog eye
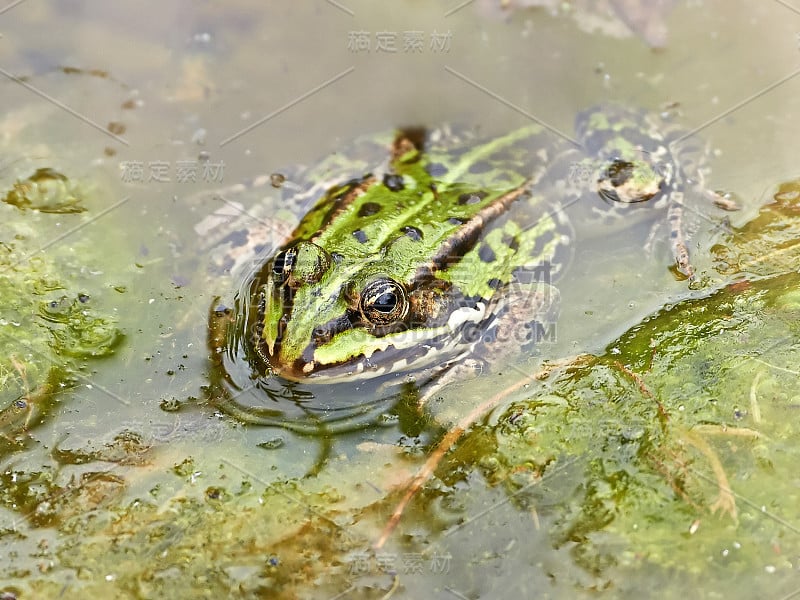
(282, 264)
(384, 302)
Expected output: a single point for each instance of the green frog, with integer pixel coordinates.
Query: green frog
(444, 251)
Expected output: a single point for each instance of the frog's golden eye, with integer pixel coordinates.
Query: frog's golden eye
(384, 302)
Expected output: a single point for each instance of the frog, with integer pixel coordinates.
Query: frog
(638, 159)
(442, 255)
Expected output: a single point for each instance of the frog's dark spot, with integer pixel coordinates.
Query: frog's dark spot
(456, 221)
(412, 232)
(494, 283)
(337, 257)
(368, 209)
(393, 182)
(436, 169)
(237, 238)
(482, 166)
(360, 236)
(619, 171)
(510, 241)
(503, 179)
(486, 254)
(539, 244)
(471, 197)
(259, 248)
(673, 234)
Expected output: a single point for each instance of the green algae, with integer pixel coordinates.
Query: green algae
(54, 306)
(48, 191)
(681, 433)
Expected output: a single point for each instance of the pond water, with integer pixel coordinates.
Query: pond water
(134, 482)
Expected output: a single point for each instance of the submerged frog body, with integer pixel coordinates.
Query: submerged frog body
(448, 249)
(635, 157)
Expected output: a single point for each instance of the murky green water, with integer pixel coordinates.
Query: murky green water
(129, 482)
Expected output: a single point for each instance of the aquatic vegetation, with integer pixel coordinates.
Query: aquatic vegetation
(54, 304)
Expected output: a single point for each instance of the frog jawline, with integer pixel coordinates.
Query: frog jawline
(397, 359)
(364, 368)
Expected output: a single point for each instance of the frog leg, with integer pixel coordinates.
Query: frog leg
(677, 236)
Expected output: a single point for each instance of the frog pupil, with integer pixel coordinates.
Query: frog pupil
(386, 302)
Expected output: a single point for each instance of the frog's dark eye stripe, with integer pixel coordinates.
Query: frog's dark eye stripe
(325, 333)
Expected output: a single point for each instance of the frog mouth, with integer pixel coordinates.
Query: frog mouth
(401, 352)
(391, 360)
